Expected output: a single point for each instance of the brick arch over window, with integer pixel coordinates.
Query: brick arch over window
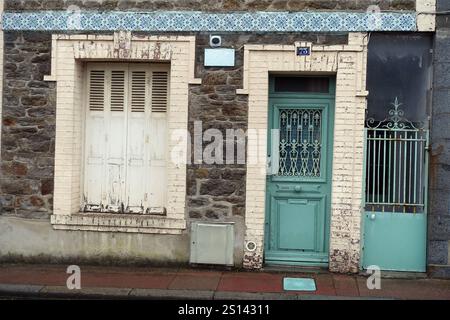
(69, 54)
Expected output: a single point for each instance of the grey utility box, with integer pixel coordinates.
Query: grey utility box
(212, 243)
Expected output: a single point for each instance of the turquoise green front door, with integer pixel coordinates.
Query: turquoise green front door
(299, 179)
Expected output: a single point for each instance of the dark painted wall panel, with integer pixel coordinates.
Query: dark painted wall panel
(399, 65)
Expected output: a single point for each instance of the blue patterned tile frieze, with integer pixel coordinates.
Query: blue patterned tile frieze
(203, 21)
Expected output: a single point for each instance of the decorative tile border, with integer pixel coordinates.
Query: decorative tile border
(203, 21)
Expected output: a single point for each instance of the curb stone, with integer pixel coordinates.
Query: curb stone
(38, 291)
(226, 295)
(171, 294)
(85, 292)
(20, 289)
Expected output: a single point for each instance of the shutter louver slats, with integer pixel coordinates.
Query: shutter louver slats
(97, 90)
(117, 90)
(138, 90)
(159, 91)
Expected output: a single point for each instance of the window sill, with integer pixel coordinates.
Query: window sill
(108, 222)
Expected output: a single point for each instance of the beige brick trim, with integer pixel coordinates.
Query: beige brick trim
(348, 63)
(425, 5)
(426, 17)
(68, 54)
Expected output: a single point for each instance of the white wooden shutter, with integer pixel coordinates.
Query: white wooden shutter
(126, 137)
(95, 140)
(116, 140)
(138, 123)
(147, 139)
(157, 151)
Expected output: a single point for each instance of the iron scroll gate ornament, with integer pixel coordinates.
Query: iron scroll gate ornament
(396, 120)
(396, 163)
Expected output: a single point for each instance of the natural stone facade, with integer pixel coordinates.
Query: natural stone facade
(228, 192)
(213, 191)
(443, 20)
(28, 127)
(1, 77)
(207, 5)
(216, 192)
(439, 184)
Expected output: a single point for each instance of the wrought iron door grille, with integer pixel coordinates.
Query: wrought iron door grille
(300, 144)
(396, 164)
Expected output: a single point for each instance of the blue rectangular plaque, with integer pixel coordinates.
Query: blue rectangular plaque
(303, 51)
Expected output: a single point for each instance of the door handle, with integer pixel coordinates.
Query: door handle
(297, 188)
(372, 216)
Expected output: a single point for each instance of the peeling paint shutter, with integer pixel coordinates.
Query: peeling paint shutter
(95, 145)
(116, 139)
(158, 140)
(147, 140)
(137, 141)
(126, 135)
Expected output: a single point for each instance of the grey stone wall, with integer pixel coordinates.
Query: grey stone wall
(210, 5)
(217, 192)
(443, 20)
(214, 192)
(28, 127)
(439, 193)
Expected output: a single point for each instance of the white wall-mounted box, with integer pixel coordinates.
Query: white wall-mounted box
(219, 57)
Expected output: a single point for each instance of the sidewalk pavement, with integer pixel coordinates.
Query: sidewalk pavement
(49, 281)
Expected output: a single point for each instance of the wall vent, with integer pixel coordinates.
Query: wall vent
(212, 243)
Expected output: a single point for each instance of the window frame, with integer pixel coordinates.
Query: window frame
(69, 56)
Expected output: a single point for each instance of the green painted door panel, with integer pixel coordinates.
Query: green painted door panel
(395, 241)
(297, 225)
(299, 184)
